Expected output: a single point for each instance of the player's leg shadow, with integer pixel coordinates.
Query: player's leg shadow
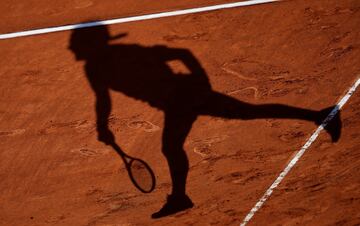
(178, 123)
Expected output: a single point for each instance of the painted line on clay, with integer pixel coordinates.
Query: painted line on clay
(298, 155)
(133, 18)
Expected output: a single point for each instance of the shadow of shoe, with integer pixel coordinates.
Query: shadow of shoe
(333, 123)
(174, 204)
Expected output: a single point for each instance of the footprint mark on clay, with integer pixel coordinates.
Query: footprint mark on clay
(203, 150)
(143, 125)
(254, 89)
(85, 152)
(83, 124)
(203, 147)
(79, 4)
(77, 124)
(237, 74)
(12, 132)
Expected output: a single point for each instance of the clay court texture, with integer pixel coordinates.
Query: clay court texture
(55, 171)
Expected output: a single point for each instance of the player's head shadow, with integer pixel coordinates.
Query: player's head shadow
(87, 43)
(144, 73)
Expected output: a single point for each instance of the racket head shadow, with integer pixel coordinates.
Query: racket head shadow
(141, 175)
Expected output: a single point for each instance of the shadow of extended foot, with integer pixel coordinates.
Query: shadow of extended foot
(173, 205)
(333, 126)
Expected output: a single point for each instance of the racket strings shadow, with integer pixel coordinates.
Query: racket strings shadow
(140, 173)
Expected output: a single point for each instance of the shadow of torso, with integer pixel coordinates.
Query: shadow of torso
(143, 73)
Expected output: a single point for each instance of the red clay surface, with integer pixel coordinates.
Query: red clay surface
(302, 53)
(21, 15)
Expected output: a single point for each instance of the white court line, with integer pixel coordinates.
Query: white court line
(298, 155)
(133, 18)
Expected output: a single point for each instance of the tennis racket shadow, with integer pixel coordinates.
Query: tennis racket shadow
(140, 173)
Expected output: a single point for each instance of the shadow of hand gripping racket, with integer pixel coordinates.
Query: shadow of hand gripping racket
(138, 170)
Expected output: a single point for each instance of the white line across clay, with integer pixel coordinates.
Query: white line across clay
(298, 155)
(133, 18)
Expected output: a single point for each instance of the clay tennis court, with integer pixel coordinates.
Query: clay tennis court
(55, 171)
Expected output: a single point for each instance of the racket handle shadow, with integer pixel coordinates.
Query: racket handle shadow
(118, 150)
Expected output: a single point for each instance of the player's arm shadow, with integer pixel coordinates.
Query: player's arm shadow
(143, 73)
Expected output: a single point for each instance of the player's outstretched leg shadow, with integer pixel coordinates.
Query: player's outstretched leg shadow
(178, 124)
(220, 105)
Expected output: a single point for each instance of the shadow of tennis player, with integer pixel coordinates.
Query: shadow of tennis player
(142, 73)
